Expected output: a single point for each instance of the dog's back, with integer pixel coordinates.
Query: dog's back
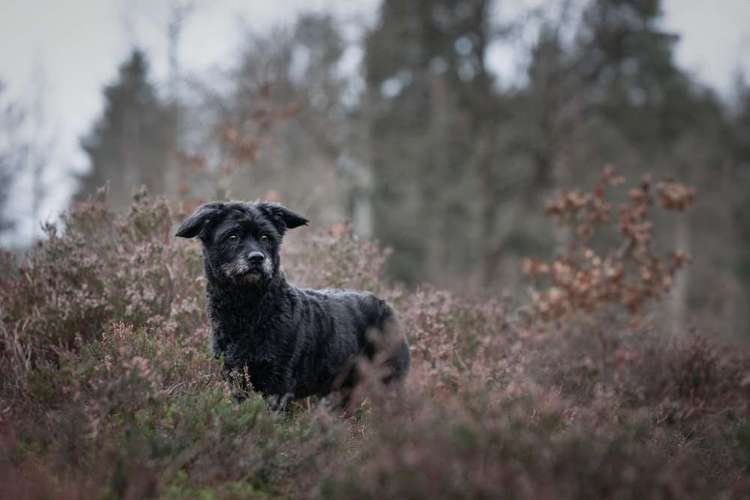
(339, 327)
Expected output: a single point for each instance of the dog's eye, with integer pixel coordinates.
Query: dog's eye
(264, 238)
(233, 237)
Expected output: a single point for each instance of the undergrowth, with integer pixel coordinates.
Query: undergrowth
(107, 389)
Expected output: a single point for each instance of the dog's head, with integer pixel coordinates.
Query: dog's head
(241, 241)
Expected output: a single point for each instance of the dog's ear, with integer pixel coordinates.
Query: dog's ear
(193, 225)
(282, 217)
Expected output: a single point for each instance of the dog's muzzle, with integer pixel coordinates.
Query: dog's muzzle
(251, 269)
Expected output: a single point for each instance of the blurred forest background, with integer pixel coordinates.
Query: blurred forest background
(421, 147)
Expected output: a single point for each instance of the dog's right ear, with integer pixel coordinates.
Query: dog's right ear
(193, 225)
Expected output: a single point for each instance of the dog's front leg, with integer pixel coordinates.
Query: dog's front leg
(278, 402)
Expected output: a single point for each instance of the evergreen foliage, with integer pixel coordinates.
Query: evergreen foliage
(132, 142)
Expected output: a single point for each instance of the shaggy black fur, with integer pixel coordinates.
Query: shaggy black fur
(293, 342)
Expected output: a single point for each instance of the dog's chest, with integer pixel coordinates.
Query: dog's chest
(252, 342)
(240, 340)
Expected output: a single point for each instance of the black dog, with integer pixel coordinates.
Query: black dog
(292, 342)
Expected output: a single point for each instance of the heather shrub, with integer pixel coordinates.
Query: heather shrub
(520, 447)
(106, 371)
(96, 269)
(454, 340)
(107, 388)
(335, 258)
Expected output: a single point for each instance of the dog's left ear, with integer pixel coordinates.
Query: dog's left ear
(282, 217)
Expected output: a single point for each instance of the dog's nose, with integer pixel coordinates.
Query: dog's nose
(256, 258)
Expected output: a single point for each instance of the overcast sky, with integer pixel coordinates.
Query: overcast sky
(66, 50)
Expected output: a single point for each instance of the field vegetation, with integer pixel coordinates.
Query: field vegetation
(107, 388)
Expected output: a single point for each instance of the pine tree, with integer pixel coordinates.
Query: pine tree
(131, 143)
(627, 62)
(431, 108)
(12, 152)
(741, 149)
(666, 124)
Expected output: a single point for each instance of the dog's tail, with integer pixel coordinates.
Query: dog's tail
(391, 346)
